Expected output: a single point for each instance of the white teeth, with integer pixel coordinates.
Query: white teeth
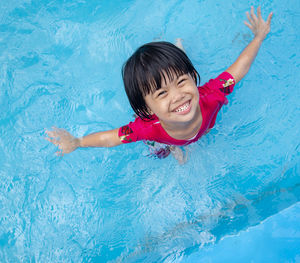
(182, 108)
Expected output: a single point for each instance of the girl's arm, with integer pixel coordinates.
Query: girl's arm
(67, 143)
(260, 29)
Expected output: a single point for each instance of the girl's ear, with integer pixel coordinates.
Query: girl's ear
(150, 111)
(196, 77)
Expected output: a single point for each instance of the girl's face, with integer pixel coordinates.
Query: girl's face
(176, 102)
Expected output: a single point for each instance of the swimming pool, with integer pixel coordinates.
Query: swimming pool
(60, 65)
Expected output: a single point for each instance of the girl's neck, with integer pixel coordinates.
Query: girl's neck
(184, 131)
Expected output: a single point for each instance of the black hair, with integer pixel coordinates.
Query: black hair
(143, 72)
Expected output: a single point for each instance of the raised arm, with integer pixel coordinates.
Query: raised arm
(260, 29)
(67, 143)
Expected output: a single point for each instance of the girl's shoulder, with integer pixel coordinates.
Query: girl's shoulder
(224, 83)
(139, 129)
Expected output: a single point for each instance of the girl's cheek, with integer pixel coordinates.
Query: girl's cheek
(164, 102)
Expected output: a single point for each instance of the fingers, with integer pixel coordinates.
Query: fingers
(248, 25)
(57, 133)
(62, 139)
(53, 134)
(59, 153)
(269, 18)
(259, 13)
(57, 143)
(253, 16)
(53, 137)
(61, 150)
(249, 18)
(54, 141)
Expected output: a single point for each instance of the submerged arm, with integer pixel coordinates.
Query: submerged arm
(101, 139)
(67, 143)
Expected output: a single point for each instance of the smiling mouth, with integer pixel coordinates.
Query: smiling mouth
(184, 108)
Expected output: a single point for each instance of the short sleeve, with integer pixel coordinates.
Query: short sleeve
(223, 83)
(132, 132)
(126, 134)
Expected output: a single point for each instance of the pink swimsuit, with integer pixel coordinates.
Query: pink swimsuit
(211, 99)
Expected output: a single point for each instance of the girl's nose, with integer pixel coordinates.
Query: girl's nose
(177, 95)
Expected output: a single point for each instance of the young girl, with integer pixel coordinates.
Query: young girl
(161, 85)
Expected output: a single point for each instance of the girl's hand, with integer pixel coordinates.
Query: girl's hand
(65, 141)
(258, 26)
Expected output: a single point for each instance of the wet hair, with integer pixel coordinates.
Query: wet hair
(144, 71)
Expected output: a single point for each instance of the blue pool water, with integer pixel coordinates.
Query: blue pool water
(60, 64)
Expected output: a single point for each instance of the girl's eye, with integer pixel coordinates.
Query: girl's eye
(181, 81)
(161, 93)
